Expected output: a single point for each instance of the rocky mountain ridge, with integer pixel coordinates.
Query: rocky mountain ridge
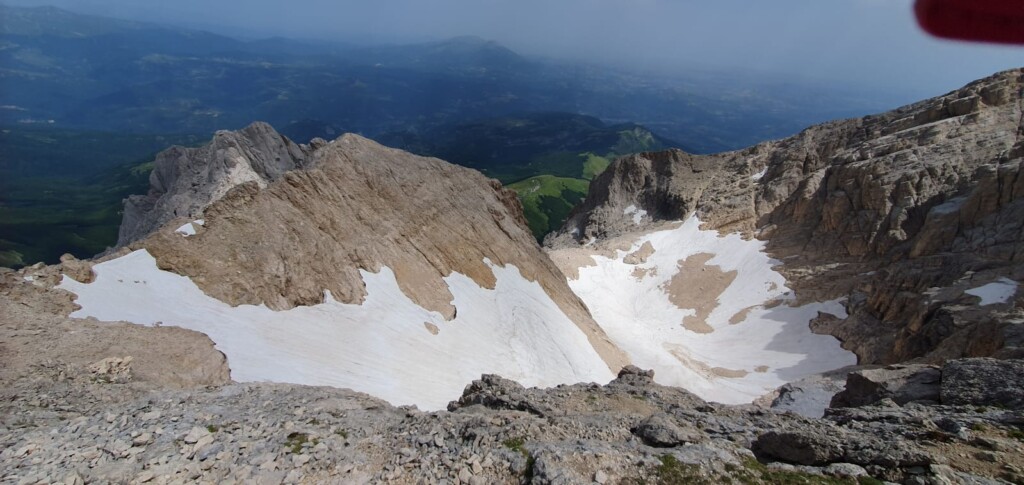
(902, 214)
(88, 401)
(185, 181)
(326, 211)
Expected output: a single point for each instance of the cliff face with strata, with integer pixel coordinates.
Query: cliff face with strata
(909, 215)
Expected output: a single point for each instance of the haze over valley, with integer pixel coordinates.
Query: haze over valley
(74, 81)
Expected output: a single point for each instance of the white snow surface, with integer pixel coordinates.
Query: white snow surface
(638, 214)
(759, 175)
(999, 291)
(381, 347)
(189, 228)
(639, 317)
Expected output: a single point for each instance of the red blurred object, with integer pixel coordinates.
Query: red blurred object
(1000, 21)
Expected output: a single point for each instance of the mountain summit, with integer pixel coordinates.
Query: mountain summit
(355, 264)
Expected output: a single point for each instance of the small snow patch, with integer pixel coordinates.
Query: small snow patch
(759, 175)
(948, 207)
(189, 228)
(638, 214)
(999, 291)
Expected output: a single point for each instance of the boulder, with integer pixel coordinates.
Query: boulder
(901, 383)
(661, 431)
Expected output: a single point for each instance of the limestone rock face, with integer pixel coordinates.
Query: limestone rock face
(909, 215)
(185, 181)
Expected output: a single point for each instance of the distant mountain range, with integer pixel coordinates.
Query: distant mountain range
(104, 74)
(86, 102)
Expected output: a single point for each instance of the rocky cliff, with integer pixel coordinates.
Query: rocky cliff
(914, 217)
(337, 256)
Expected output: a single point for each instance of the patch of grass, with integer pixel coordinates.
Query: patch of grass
(674, 472)
(1016, 434)
(593, 165)
(213, 428)
(142, 169)
(755, 472)
(547, 201)
(11, 258)
(869, 481)
(296, 440)
(516, 445)
(342, 433)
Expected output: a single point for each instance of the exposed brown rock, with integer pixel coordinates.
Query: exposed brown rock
(359, 206)
(640, 255)
(899, 212)
(36, 335)
(697, 286)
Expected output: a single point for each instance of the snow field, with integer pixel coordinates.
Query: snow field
(770, 346)
(382, 347)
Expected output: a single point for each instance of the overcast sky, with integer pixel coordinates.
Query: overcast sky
(866, 42)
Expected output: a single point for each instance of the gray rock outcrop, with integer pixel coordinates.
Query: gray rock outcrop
(901, 383)
(903, 214)
(185, 181)
(984, 382)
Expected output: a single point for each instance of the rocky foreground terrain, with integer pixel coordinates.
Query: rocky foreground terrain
(78, 410)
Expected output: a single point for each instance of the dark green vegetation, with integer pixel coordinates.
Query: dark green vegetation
(516, 445)
(547, 200)
(547, 158)
(61, 190)
(111, 75)
(1017, 434)
(513, 148)
(296, 440)
(68, 82)
(44, 151)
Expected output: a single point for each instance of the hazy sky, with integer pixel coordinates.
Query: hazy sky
(867, 42)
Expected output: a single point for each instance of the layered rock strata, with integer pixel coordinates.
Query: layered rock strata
(914, 217)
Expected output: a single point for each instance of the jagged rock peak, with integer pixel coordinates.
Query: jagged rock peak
(733, 190)
(185, 181)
